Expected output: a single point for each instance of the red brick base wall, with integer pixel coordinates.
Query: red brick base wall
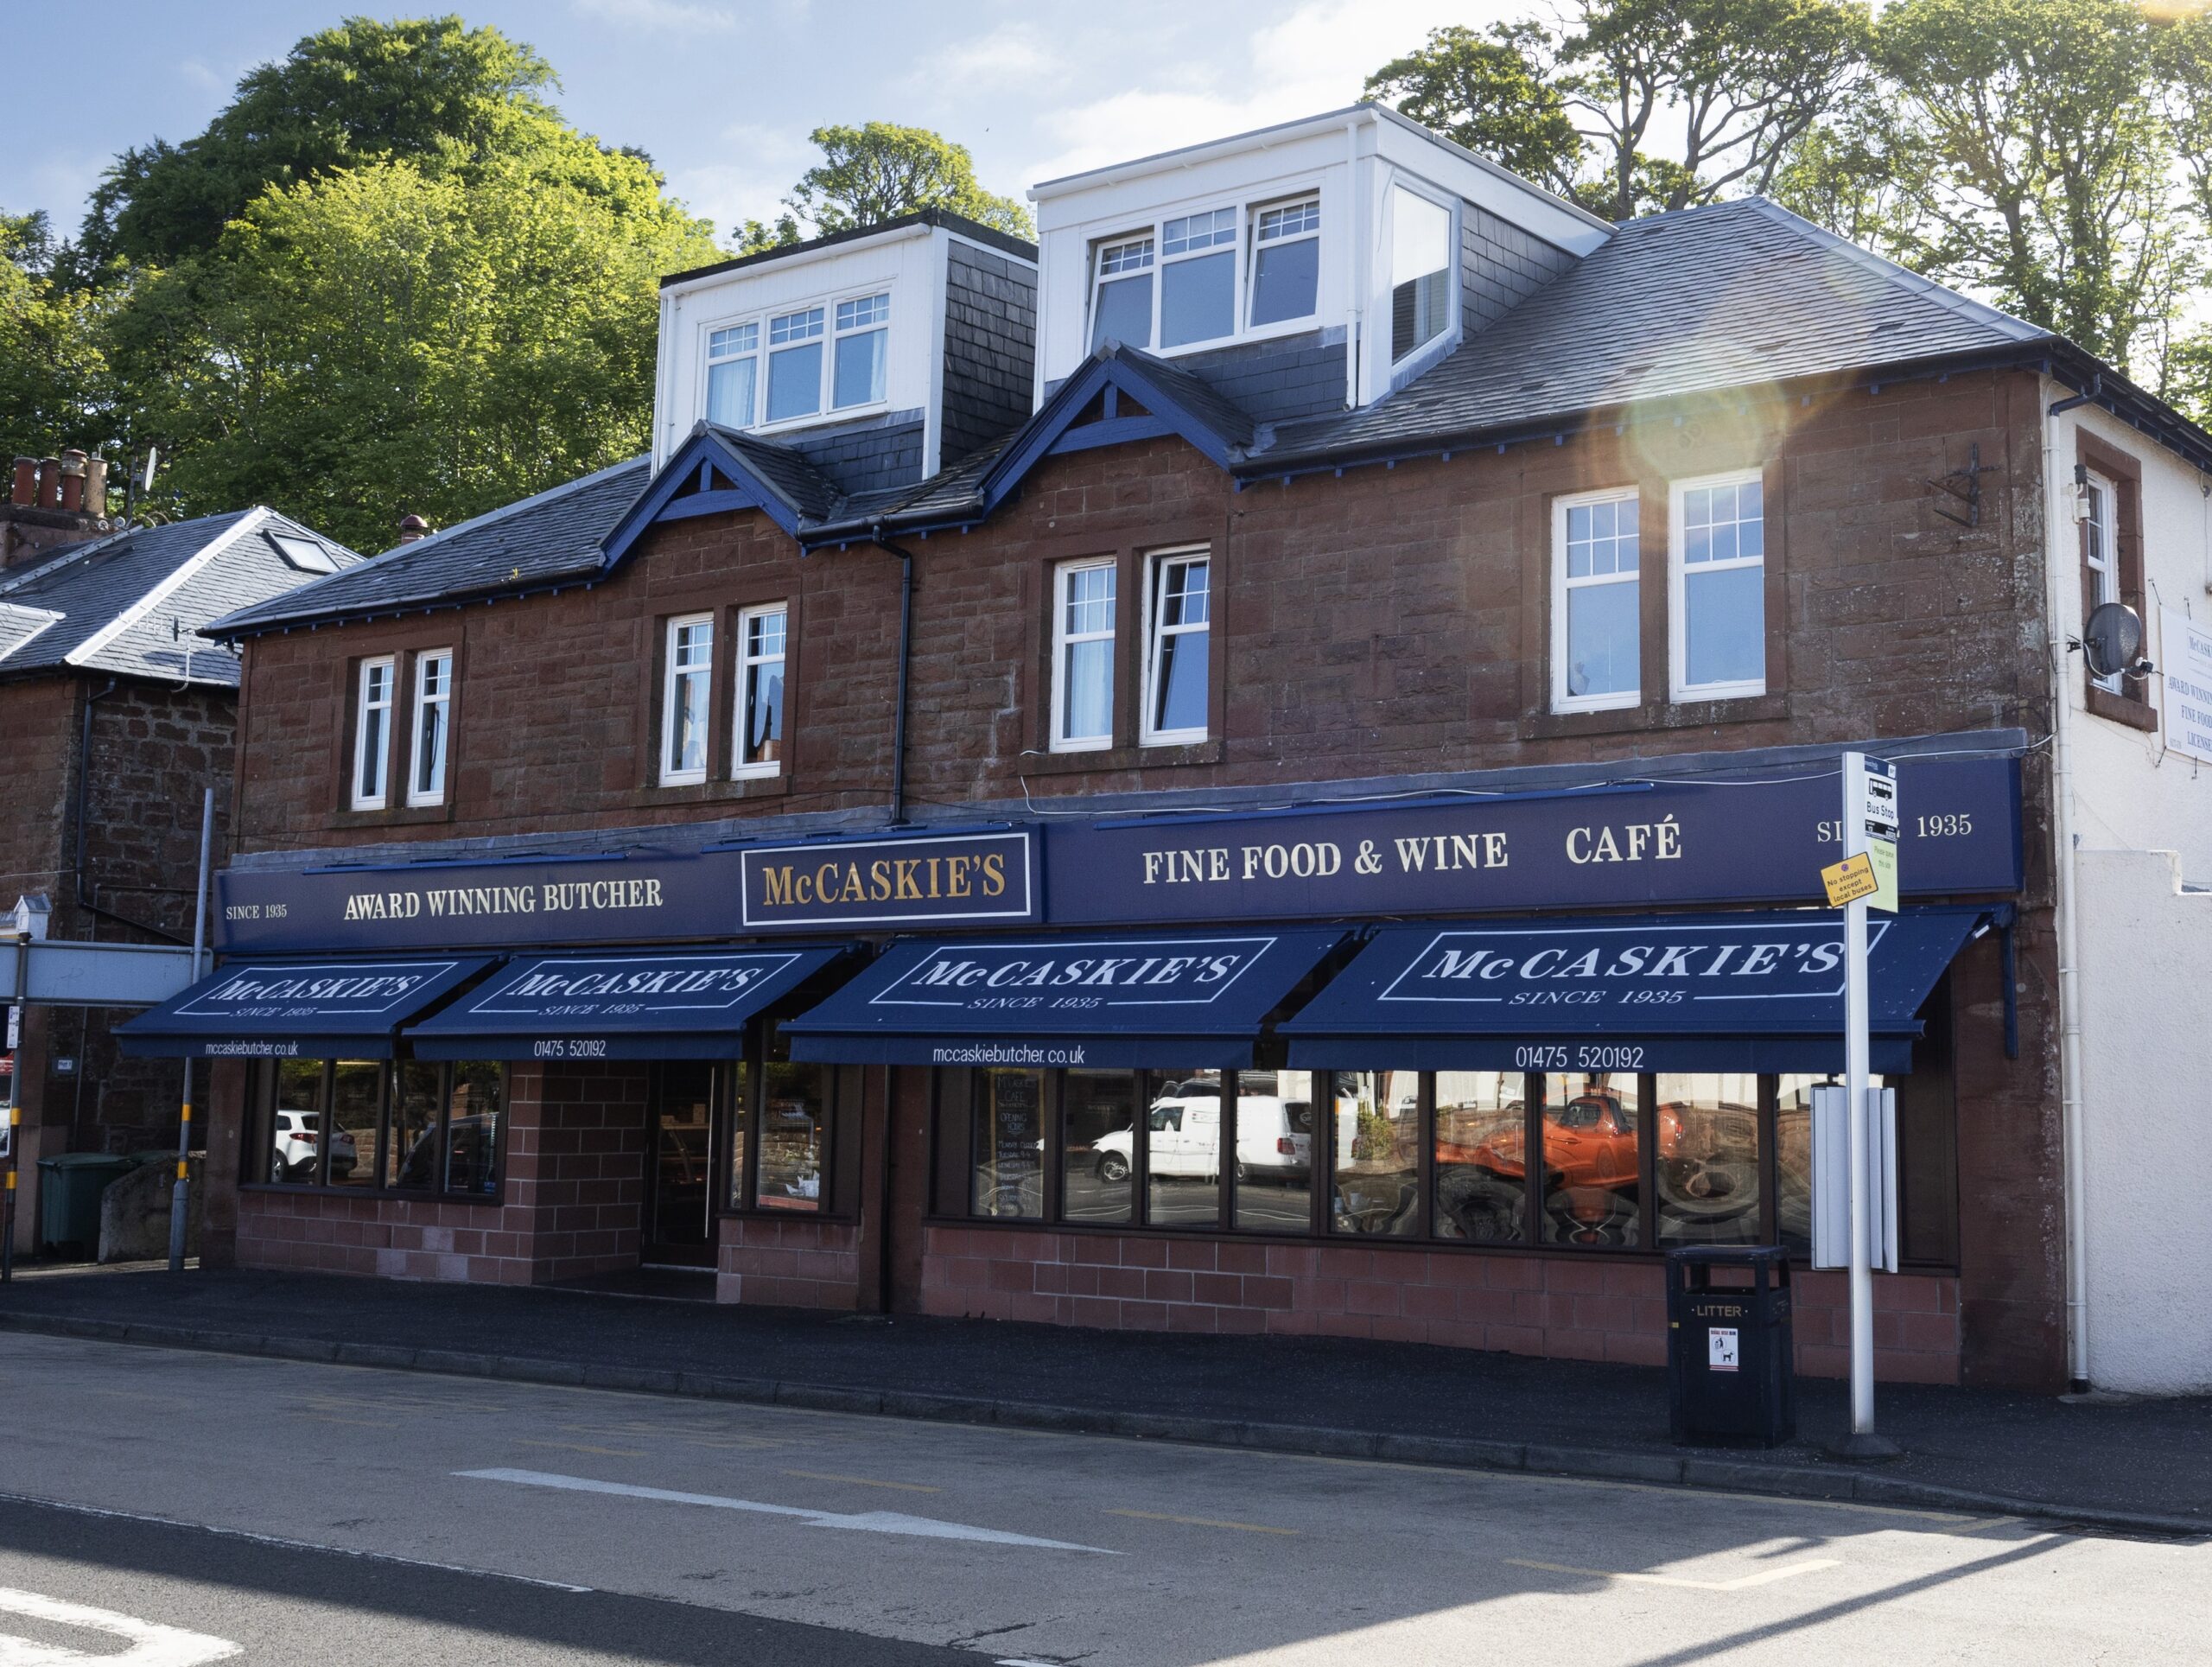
(789, 1263)
(1562, 1307)
(393, 1239)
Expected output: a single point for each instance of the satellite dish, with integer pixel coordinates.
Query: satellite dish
(2112, 641)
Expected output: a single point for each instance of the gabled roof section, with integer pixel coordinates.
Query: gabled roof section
(134, 603)
(718, 469)
(1730, 296)
(547, 539)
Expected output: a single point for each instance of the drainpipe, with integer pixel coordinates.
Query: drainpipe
(1356, 233)
(876, 536)
(84, 783)
(2069, 952)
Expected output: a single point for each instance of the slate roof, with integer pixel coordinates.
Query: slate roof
(131, 604)
(549, 537)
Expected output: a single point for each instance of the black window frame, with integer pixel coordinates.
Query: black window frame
(746, 1079)
(262, 1125)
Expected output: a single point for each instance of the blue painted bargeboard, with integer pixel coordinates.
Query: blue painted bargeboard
(649, 1004)
(1664, 993)
(1124, 1000)
(298, 1010)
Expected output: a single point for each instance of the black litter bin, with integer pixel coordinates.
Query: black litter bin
(1731, 1376)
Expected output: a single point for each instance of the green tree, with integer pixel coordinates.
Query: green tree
(395, 337)
(871, 173)
(50, 361)
(1491, 93)
(431, 90)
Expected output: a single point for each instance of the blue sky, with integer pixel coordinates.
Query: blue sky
(723, 93)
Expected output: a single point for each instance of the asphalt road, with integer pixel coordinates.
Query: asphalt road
(222, 1508)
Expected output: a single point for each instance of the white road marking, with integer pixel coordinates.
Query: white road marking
(152, 1644)
(865, 1522)
(1742, 1583)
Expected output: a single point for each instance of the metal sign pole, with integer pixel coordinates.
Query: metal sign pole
(180, 1195)
(15, 1114)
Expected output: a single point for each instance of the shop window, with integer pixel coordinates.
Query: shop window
(1592, 1168)
(733, 375)
(1793, 1162)
(795, 365)
(793, 1136)
(685, 681)
(1182, 1155)
(1120, 296)
(372, 734)
(862, 356)
(381, 1126)
(1482, 1186)
(1718, 586)
(1421, 271)
(1009, 1151)
(1286, 262)
(426, 779)
(1098, 1116)
(1706, 1161)
(1596, 618)
(1082, 655)
(1178, 614)
(1375, 1178)
(760, 637)
(1275, 1127)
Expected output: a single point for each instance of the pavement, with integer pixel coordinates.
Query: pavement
(2131, 1464)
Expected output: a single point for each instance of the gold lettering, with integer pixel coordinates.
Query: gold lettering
(994, 873)
(776, 886)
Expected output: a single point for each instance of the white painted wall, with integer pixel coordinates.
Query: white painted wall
(2146, 952)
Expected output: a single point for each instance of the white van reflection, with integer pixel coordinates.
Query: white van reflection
(1275, 1134)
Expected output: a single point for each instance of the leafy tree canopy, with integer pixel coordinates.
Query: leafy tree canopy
(50, 360)
(871, 173)
(1489, 92)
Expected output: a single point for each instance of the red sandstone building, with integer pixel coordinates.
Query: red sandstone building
(1262, 766)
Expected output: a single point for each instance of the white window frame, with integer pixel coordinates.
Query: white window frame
(1562, 701)
(1063, 639)
(1100, 278)
(710, 359)
(1455, 261)
(2100, 556)
(672, 776)
(1216, 244)
(761, 319)
(1156, 563)
(1247, 209)
(364, 705)
(840, 334)
(742, 769)
(1678, 619)
(1248, 291)
(418, 795)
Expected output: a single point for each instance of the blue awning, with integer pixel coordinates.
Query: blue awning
(1716, 992)
(1190, 1001)
(638, 1004)
(254, 1009)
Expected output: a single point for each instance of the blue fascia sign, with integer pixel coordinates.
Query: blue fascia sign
(259, 1009)
(918, 879)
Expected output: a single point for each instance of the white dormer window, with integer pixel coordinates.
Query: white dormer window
(795, 365)
(1421, 271)
(1197, 278)
(1120, 303)
(1286, 262)
(733, 375)
(863, 333)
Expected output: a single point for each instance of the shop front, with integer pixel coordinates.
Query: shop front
(1448, 1068)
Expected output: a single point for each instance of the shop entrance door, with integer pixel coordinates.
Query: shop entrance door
(679, 1221)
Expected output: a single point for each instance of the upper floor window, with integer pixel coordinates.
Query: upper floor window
(760, 690)
(425, 780)
(1177, 604)
(1286, 262)
(1421, 270)
(684, 699)
(2100, 551)
(372, 734)
(1718, 582)
(795, 365)
(1120, 303)
(1082, 655)
(863, 335)
(1595, 549)
(733, 375)
(1197, 277)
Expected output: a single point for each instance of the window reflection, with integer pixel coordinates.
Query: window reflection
(356, 1097)
(1708, 1160)
(1009, 1153)
(411, 1159)
(473, 1110)
(1593, 1186)
(1183, 1130)
(1481, 1157)
(1098, 1115)
(794, 1115)
(1275, 1150)
(297, 1121)
(1375, 1185)
(1793, 1162)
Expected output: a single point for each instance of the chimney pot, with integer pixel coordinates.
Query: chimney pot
(72, 480)
(25, 489)
(49, 483)
(412, 527)
(96, 485)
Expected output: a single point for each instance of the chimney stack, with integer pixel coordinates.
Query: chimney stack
(25, 491)
(52, 501)
(96, 487)
(412, 527)
(49, 483)
(72, 480)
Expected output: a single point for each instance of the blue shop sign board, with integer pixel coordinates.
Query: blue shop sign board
(925, 880)
(296, 1009)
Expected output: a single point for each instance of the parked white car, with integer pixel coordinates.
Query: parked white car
(1274, 1137)
(299, 1137)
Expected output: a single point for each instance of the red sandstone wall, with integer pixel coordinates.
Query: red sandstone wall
(790, 1264)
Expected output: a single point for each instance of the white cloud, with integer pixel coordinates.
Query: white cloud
(1002, 57)
(662, 16)
(756, 166)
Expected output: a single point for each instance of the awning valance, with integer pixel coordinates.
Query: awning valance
(637, 1004)
(1731, 992)
(1196, 1000)
(348, 1007)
